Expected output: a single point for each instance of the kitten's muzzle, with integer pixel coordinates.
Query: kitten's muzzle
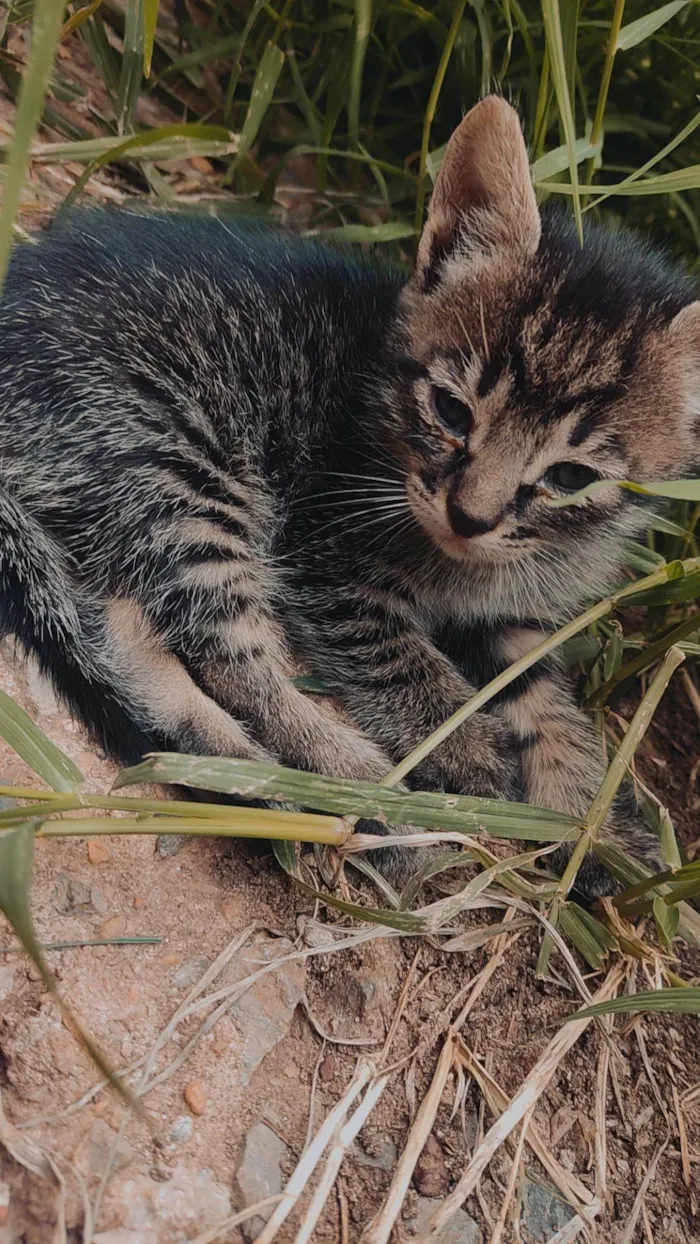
(468, 525)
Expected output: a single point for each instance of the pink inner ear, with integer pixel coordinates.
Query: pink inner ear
(485, 168)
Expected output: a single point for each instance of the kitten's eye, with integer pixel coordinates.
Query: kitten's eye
(570, 476)
(450, 411)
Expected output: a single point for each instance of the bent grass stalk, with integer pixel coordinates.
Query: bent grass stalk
(472, 706)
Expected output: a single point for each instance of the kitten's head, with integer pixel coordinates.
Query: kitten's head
(535, 366)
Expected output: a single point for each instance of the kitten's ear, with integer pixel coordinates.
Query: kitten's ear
(685, 330)
(483, 189)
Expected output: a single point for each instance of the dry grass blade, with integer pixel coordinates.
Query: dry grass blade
(682, 1137)
(628, 1234)
(309, 1160)
(574, 1192)
(531, 1090)
(344, 1136)
(379, 1229)
(214, 1234)
(515, 1172)
(578, 1225)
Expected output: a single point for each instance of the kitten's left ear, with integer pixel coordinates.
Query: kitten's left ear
(685, 330)
(483, 189)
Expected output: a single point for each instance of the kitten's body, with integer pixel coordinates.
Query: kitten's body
(216, 456)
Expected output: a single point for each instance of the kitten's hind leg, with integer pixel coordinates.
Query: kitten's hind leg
(104, 661)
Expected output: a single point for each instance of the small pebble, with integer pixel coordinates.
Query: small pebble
(139, 902)
(170, 844)
(195, 1095)
(113, 926)
(181, 1130)
(98, 851)
(190, 972)
(430, 1176)
(327, 1069)
(98, 902)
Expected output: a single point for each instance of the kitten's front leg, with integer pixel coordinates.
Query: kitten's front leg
(563, 760)
(399, 688)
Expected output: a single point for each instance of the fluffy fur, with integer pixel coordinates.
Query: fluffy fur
(223, 449)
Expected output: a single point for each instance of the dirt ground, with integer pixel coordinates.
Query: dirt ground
(232, 1108)
(233, 1098)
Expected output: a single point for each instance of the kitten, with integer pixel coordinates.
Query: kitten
(224, 448)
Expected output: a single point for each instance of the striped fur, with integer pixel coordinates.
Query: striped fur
(223, 450)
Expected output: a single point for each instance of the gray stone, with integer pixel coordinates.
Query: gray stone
(382, 1161)
(461, 1229)
(543, 1213)
(260, 1172)
(190, 1201)
(181, 1130)
(190, 972)
(70, 895)
(7, 980)
(170, 844)
(263, 1015)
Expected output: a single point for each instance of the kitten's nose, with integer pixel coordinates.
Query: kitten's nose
(464, 524)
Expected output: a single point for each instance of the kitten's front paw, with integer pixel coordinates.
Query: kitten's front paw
(480, 758)
(627, 830)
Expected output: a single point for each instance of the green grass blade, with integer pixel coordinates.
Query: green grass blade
(429, 810)
(35, 749)
(390, 231)
(140, 143)
(255, 12)
(601, 103)
(640, 29)
(557, 59)
(557, 160)
(431, 109)
(675, 489)
(274, 824)
(266, 78)
(676, 1001)
(653, 652)
(180, 142)
(46, 28)
(363, 28)
(150, 21)
(666, 920)
(103, 55)
(588, 935)
(131, 74)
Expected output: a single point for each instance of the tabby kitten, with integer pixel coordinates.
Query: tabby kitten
(224, 449)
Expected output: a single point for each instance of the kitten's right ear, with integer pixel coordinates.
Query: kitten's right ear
(483, 190)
